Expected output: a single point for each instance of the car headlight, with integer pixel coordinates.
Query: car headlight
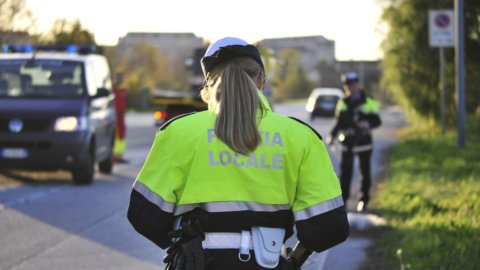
(70, 123)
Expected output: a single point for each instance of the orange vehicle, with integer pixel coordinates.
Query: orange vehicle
(171, 103)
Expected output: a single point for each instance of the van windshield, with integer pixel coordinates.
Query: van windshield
(27, 78)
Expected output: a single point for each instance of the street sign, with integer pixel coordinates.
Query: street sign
(441, 28)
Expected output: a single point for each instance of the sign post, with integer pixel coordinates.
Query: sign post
(441, 35)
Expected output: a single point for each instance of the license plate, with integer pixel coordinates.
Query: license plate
(14, 153)
(327, 106)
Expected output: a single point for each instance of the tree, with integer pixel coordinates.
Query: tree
(411, 69)
(146, 68)
(290, 79)
(156, 68)
(15, 20)
(65, 32)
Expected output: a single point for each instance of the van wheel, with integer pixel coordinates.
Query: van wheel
(83, 175)
(106, 166)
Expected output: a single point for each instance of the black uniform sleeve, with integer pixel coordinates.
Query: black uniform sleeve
(340, 124)
(149, 220)
(324, 231)
(374, 120)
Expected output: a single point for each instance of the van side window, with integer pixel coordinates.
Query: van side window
(91, 79)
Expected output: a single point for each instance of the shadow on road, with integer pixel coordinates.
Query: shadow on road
(17, 177)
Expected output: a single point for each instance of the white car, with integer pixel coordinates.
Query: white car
(323, 101)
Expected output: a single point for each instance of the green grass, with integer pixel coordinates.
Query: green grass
(430, 197)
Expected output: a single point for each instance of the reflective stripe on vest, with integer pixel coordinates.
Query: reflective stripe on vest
(213, 207)
(319, 208)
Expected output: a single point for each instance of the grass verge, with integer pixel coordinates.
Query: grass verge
(430, 197)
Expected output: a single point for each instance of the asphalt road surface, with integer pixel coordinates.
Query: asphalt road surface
(48, 223)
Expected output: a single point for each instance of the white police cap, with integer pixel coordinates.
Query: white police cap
(223, 42)
(350, 77)
(227, 48)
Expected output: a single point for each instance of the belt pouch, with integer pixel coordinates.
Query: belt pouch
(267, 244)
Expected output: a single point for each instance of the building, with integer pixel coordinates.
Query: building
(180, 46)
(317, 55)
(313, 49)
(369, 72)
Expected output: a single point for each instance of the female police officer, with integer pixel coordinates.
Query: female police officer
(238, 175)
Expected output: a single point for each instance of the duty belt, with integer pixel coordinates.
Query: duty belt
(266, 243)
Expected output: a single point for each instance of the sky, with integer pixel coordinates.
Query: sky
(354, 25)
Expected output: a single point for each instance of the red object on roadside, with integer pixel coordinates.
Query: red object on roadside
(121, 108)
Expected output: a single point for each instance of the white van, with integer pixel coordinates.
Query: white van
(56, 110)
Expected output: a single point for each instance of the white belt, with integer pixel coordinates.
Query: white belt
(261, 239)
(226, 240)
(357, 149)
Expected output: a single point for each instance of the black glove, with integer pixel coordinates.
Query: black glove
(292, 265)
(287, 256)
(187, 252)
(297, 257)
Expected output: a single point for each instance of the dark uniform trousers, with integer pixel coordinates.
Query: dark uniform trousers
(347, 172)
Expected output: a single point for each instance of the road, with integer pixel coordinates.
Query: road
(47, 223)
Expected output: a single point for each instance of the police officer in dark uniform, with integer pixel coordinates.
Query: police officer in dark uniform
(223, 188)
(357, 114)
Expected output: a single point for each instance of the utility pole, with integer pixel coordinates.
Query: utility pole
(460, 68)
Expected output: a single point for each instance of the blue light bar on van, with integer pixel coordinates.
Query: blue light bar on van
(71, 48)
(17, 48)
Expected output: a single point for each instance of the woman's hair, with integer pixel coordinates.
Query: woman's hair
(230, 87)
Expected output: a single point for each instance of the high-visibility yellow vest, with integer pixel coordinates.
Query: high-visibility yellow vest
(370, 106)
(189, 167)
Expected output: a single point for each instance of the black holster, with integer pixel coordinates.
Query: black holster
(186, 252)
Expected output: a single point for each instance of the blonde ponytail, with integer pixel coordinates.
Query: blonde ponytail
(231, 88)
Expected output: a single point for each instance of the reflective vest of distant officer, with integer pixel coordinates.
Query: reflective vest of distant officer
(236, 207)
(120, 108)
(357, 114)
